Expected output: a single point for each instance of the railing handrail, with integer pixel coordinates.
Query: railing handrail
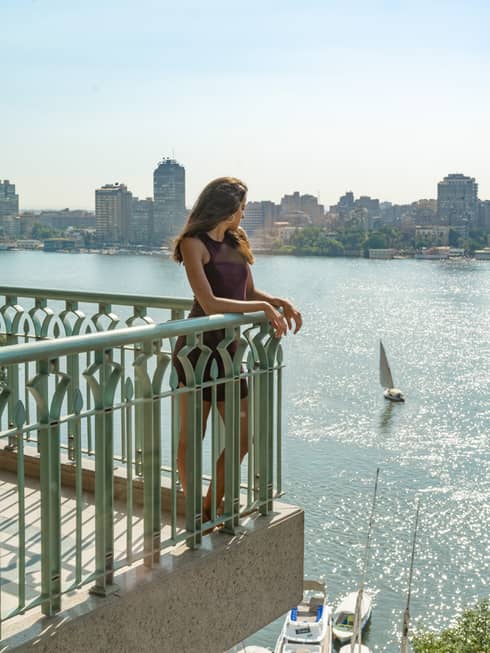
(150, 301)
(53, 348)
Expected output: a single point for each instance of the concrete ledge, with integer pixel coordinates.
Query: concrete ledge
(202, 601)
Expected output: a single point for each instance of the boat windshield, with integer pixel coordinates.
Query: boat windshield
(344, 621)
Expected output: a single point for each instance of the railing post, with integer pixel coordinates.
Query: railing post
(264, 407)
(232, 433)
(279, 422)
(271, 349)
(19, 417)
(193, 462)
(103, 393)
(50, 485)
(151, 451)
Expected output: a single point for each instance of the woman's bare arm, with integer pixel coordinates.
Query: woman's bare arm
(194, 255)
(290, 312)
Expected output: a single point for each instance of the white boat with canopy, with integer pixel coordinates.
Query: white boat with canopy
(308, 627)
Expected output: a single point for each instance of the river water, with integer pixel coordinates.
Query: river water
(434, 320)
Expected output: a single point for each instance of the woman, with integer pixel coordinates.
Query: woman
(217, 256)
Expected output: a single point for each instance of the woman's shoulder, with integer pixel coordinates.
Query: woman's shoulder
(194, 246)
(192, 241)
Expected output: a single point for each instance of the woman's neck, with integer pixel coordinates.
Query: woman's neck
(218, 232)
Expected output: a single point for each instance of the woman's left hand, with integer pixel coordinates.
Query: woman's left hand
(292, 314)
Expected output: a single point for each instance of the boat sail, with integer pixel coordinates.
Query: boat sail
(406, 613)
(386, 378)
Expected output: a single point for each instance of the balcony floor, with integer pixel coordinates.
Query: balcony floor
(9, 538)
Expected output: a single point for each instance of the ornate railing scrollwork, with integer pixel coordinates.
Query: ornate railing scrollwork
(92, 390)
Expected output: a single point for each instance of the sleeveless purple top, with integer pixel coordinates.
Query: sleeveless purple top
(226, 272)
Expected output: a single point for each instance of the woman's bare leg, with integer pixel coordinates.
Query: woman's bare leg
(182, 450)
(220, 464)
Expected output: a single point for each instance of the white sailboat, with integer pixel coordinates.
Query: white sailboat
(406, 612)
(308, 627)
(347, 626)
(354, 611)
(386, 378)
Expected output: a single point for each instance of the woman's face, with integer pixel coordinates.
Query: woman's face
(235, 219)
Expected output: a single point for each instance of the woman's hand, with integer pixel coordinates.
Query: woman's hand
(277, 320)
(292, 314)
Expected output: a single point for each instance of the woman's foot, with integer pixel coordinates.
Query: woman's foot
(206, 515)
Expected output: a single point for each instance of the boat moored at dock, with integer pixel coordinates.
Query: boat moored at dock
(344, 616)
(308, 627)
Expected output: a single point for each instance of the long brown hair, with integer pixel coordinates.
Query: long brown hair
(217, 202)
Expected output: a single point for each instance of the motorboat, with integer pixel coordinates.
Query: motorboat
(344, 616)
(386, 378)
(308, 627)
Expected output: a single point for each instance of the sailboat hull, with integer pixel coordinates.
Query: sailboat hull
(343, 619)
(392, 394)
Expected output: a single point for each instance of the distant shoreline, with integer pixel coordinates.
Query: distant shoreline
(165, 252)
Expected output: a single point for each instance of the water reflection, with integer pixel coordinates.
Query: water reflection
(385, 419)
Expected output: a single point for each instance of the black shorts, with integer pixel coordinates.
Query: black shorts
(211, 339)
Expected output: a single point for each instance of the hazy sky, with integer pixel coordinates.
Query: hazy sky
(381, 98)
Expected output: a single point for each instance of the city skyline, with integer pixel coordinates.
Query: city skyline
(283, 194)
(324, 98)
(458, 218)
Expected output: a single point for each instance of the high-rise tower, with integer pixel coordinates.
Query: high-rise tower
(141, 223)
(9, 200)
(169, 212)
(112, 213)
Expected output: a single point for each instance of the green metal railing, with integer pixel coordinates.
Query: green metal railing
(92, 395)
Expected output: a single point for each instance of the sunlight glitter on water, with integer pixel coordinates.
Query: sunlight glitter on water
(435, 446)
(433, 318)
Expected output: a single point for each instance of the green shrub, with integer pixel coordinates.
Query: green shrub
(470, 634)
